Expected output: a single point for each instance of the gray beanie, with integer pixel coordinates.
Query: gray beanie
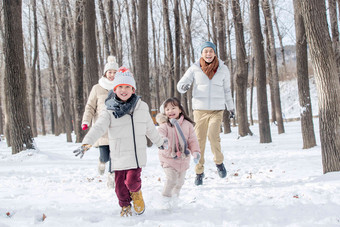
(111, 64)
(208, 44)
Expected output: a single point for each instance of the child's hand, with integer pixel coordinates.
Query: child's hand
(197, 157)
(165, 144)
(81, 150)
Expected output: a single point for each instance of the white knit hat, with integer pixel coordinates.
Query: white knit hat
(111, 64)
(124, 77)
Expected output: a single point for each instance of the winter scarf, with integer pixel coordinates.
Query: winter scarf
(209, 68)
(179, 144)
(119, 107)
(106, 83)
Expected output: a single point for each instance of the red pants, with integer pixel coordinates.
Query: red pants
(127, 181)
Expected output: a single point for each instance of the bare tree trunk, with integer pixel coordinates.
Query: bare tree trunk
(143, 53)
(112, 36)
(177, 47)
(242, 72)
(41, 103)
(275, 76)
(307, 126)
(327, 81)
(189, 51)
(104, 30)
(66, 76)
(54, 106)
(15, 80)
(156, 73)
(78, 80)
(252, 67)
(221, 31)
(213, 27)
(132, 34)
(230, 58)
(90, 46)
(333, 17)
(119, 35)
(260, 72)
(169, 45)
(279, 36)
(32, 75)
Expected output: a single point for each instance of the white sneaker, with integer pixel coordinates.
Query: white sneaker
(101, 168)
(111, 180)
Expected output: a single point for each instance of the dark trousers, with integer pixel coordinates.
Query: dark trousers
(104, 153)
(127, 181)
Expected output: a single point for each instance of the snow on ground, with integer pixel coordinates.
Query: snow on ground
(275, 184)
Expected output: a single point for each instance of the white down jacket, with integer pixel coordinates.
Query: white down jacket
(214, 94)
(126, 136)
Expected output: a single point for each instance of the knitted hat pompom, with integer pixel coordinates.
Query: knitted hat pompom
(111, 64)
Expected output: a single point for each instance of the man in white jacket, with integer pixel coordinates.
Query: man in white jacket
(211, 95)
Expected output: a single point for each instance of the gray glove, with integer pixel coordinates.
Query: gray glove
(81, 150)
(185, 87)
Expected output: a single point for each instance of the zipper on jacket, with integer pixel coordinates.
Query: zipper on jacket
(134, 139)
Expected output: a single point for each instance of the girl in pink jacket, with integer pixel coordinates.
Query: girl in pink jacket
(178, 128)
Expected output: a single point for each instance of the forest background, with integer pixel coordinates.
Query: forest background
(55, 51)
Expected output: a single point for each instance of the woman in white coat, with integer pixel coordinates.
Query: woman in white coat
(211, 95)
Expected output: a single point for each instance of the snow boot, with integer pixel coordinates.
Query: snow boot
(101, 167)
(126, 211)
(138, 202)
(221, 170)
(199, 179)
(111, 180)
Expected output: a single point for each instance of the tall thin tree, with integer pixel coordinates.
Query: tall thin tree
(242, 72)
(307, 127)
(260, 72)
(273, 60)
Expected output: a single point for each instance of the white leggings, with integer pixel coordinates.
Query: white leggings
(174, 182)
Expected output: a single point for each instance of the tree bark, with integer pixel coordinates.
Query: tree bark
(66, 76)
(53, 90)
(279, 36)
(242, 72)
(15, 79)
(177, 47)
(260, 72)
(32, 74)
(307, 127)
(104, 30)
(90, 46)
(41, 102)
(275, 75)
(333, 17)
(78, 80)
(169, 47)
(327, 81)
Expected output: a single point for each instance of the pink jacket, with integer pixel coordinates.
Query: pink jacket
(182, 163)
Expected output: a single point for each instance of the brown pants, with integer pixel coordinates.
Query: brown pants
(208, 122)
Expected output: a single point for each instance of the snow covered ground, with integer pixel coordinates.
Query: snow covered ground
(275, 184)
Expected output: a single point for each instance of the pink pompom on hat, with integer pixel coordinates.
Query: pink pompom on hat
(124, 77)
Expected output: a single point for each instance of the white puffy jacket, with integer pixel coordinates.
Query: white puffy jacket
(126, 136)
(214, 94)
